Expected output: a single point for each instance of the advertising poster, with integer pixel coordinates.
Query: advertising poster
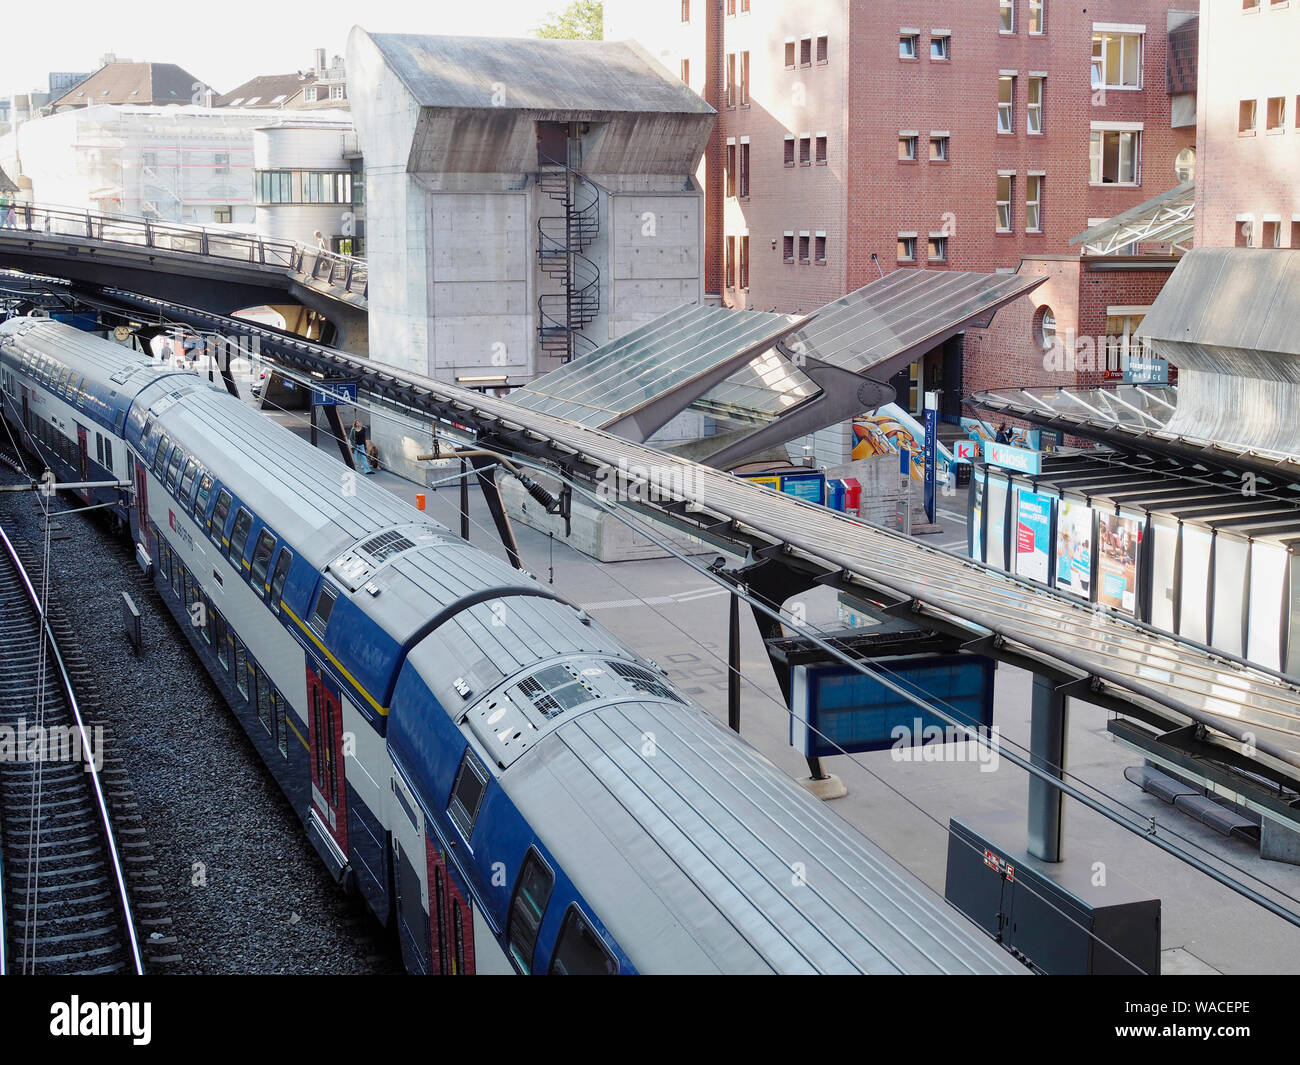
(977, 521)
(997, 504)
(1117, 555)
(1074, 549)
(1033, 535)
(890, 428)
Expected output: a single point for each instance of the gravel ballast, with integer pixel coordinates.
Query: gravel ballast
(246, 891)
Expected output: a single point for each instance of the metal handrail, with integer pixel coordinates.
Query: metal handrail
(123, 897)
(317, 264)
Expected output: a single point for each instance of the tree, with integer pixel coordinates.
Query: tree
(581, 20)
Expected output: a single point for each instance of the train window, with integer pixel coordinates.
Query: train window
(81, 393)
(467, 793)
(59, 379)
(187, 480)
(217, 523)
(160, 457)
(206, 619)
(108, 455)
(580, 951)
(99, 449)
(239, 536)
(173, 467)
(263, 697)
(219, 637)
(178, 578)
(532, 893)
(204, 494)
(262, 553)
(281, 721)
(320, 617)
(280, 575)
(241, 667)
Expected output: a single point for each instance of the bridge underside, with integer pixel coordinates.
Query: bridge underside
(218, 287)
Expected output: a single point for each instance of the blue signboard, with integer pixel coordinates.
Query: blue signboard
(931, 435)
(334, 394)
(836, 709)
(1147, 371)
(1010, 457)
(809, 486)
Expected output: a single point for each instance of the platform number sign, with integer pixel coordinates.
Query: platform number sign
(334, 394)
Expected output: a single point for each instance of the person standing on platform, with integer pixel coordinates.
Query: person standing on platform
(357, 438)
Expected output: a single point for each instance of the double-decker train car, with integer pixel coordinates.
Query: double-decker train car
(498, 776)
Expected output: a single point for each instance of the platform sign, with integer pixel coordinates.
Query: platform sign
(1146, 370)
(334, 394)
(931, 438)
(773, 483)
(1010, 457)
(836, 709)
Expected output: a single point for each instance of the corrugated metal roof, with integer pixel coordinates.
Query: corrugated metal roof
(539, 75)
(706, 858)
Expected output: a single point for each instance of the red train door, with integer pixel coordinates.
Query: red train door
(325, 724)
(142, 507)
(451, 918)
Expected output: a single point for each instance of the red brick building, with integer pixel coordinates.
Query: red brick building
(1248, 125)
(859, 137)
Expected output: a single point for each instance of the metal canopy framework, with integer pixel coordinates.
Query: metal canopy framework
(785, 375)
(1166, 219)
(1090, 654)
(634, 385)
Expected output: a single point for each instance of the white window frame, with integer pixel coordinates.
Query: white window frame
(1006, 16)
(1096, 153)
(942, 243)
(1008, 109)
(1100, 67)
(1034, 110)
(944, 39)
(1004, 206)
(1039, 6)
(1034, 206)
(906, 238)
(913, 137)
(908, 41)
(937, 135)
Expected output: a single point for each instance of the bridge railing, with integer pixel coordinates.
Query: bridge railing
(316, 264)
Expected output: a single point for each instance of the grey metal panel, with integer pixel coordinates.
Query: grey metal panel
(542, 75)
(867, 329)
(649, 362)
(715, 837)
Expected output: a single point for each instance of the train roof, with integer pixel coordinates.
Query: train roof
(701, 856)
(307, 496)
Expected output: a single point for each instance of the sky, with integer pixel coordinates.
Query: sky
(226, 42)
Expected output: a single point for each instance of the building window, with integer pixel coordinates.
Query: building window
(336, 92)
(1037, 16)
(221, 162)
(1007, 13)
(1034, 106)
(819, 243)
(1034, 203)
(789, 54)
(1272, 235)
(1246, 116)
(686, 71)
(309, 95)
(805, 51)
(731, 261)
(821, 149)
(907, 247)
(731, 80)
(148, 158)
(744, 256)
(1006, 103)
(907, 147)
(731, 168)
(1116, 60)
(907, 45)
(1113, 156)
(789, 149)
(787, 248)
(223, 215)
(805, 149)
(938, 147)
(939, 46)
(938, 250)
(1276, 116)
(823, 48)
(1005, 181)
(1045, 327)
(1185, 164)
(1121, 342)
(744, 169)
(686, 10)
(731, 7)
(744, 79)
(1245, 236)
(1249, 5)
(803, 247)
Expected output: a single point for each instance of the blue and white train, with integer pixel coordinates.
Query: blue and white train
(497, 775)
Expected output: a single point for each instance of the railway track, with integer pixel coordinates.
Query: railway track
(77, 886)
